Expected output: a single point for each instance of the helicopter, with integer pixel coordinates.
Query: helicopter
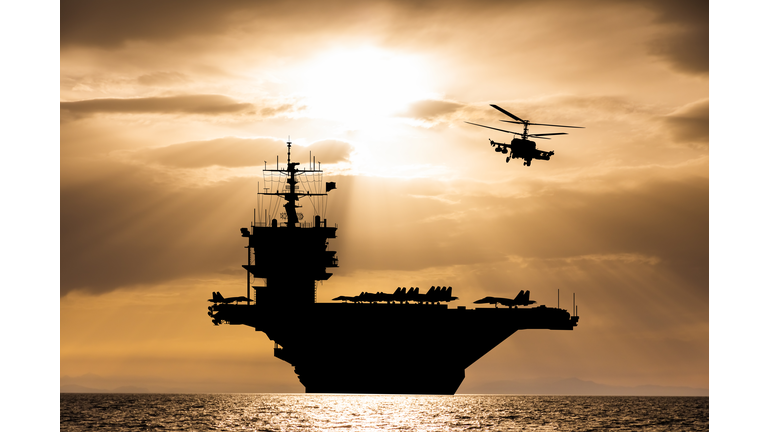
(522, 147)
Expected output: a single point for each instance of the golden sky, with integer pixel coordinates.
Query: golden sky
(169, 110)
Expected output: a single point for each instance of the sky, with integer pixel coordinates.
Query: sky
(168, 112)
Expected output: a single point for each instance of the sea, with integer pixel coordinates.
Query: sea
(318, 412)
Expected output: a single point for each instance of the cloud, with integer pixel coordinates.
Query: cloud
(121, 213)
(163, 79)
(686, 44)
(238, 152)
(110, 25)
(280, 109)
(690, 124)
(623, 257)
(126, 216)
(661, 221)
(330, 151)
(683, 41)
(560, 108)
(226, 152)
(568, 107)
(122, 227)
(187, 104)
(431, 110)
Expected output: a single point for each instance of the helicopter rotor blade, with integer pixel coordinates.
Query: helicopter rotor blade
(502, 130)
(508, 113)
(543, 124)
(556, 133)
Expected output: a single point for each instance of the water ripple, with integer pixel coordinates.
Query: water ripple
(293, 412)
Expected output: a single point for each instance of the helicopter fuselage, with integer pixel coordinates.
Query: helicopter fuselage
(522, 149)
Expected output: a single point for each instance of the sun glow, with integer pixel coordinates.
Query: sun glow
(358, 86)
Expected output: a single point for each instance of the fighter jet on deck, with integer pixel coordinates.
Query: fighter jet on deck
(435, 295)
(355, 299)
(218, 298)
(522, 299)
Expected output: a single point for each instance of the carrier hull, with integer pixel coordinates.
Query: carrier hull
(387, 348)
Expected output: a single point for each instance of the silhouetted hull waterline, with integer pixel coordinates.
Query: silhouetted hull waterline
(387, 348)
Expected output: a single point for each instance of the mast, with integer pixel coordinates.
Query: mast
(291, 257)
(292, 196)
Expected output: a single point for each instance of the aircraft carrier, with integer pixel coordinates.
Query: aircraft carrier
(403, 342)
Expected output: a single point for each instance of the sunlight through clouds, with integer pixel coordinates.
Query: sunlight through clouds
(168, 114)
(359, 86)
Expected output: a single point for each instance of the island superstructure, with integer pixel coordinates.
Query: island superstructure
(404, 342)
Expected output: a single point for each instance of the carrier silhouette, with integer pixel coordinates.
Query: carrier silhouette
(403, 342)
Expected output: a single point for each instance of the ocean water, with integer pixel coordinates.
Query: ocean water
(299, 412)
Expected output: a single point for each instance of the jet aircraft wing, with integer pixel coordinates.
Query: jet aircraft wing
(522, 299)
(218, 298)
(496, 300)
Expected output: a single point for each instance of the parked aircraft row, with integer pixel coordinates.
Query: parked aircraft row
(434, 295)
(522, 299)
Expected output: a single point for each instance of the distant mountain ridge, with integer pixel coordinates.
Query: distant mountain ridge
(75, 388)
(539, 386)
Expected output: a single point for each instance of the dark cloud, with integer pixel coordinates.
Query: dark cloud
(684, 43)
(690, 124)
(187, 104)
(238, 152)
(664, 219)
(126, 225)
(686, 46)
(111, 24)
(122, 227)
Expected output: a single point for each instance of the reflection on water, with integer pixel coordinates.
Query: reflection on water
(288, 412)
